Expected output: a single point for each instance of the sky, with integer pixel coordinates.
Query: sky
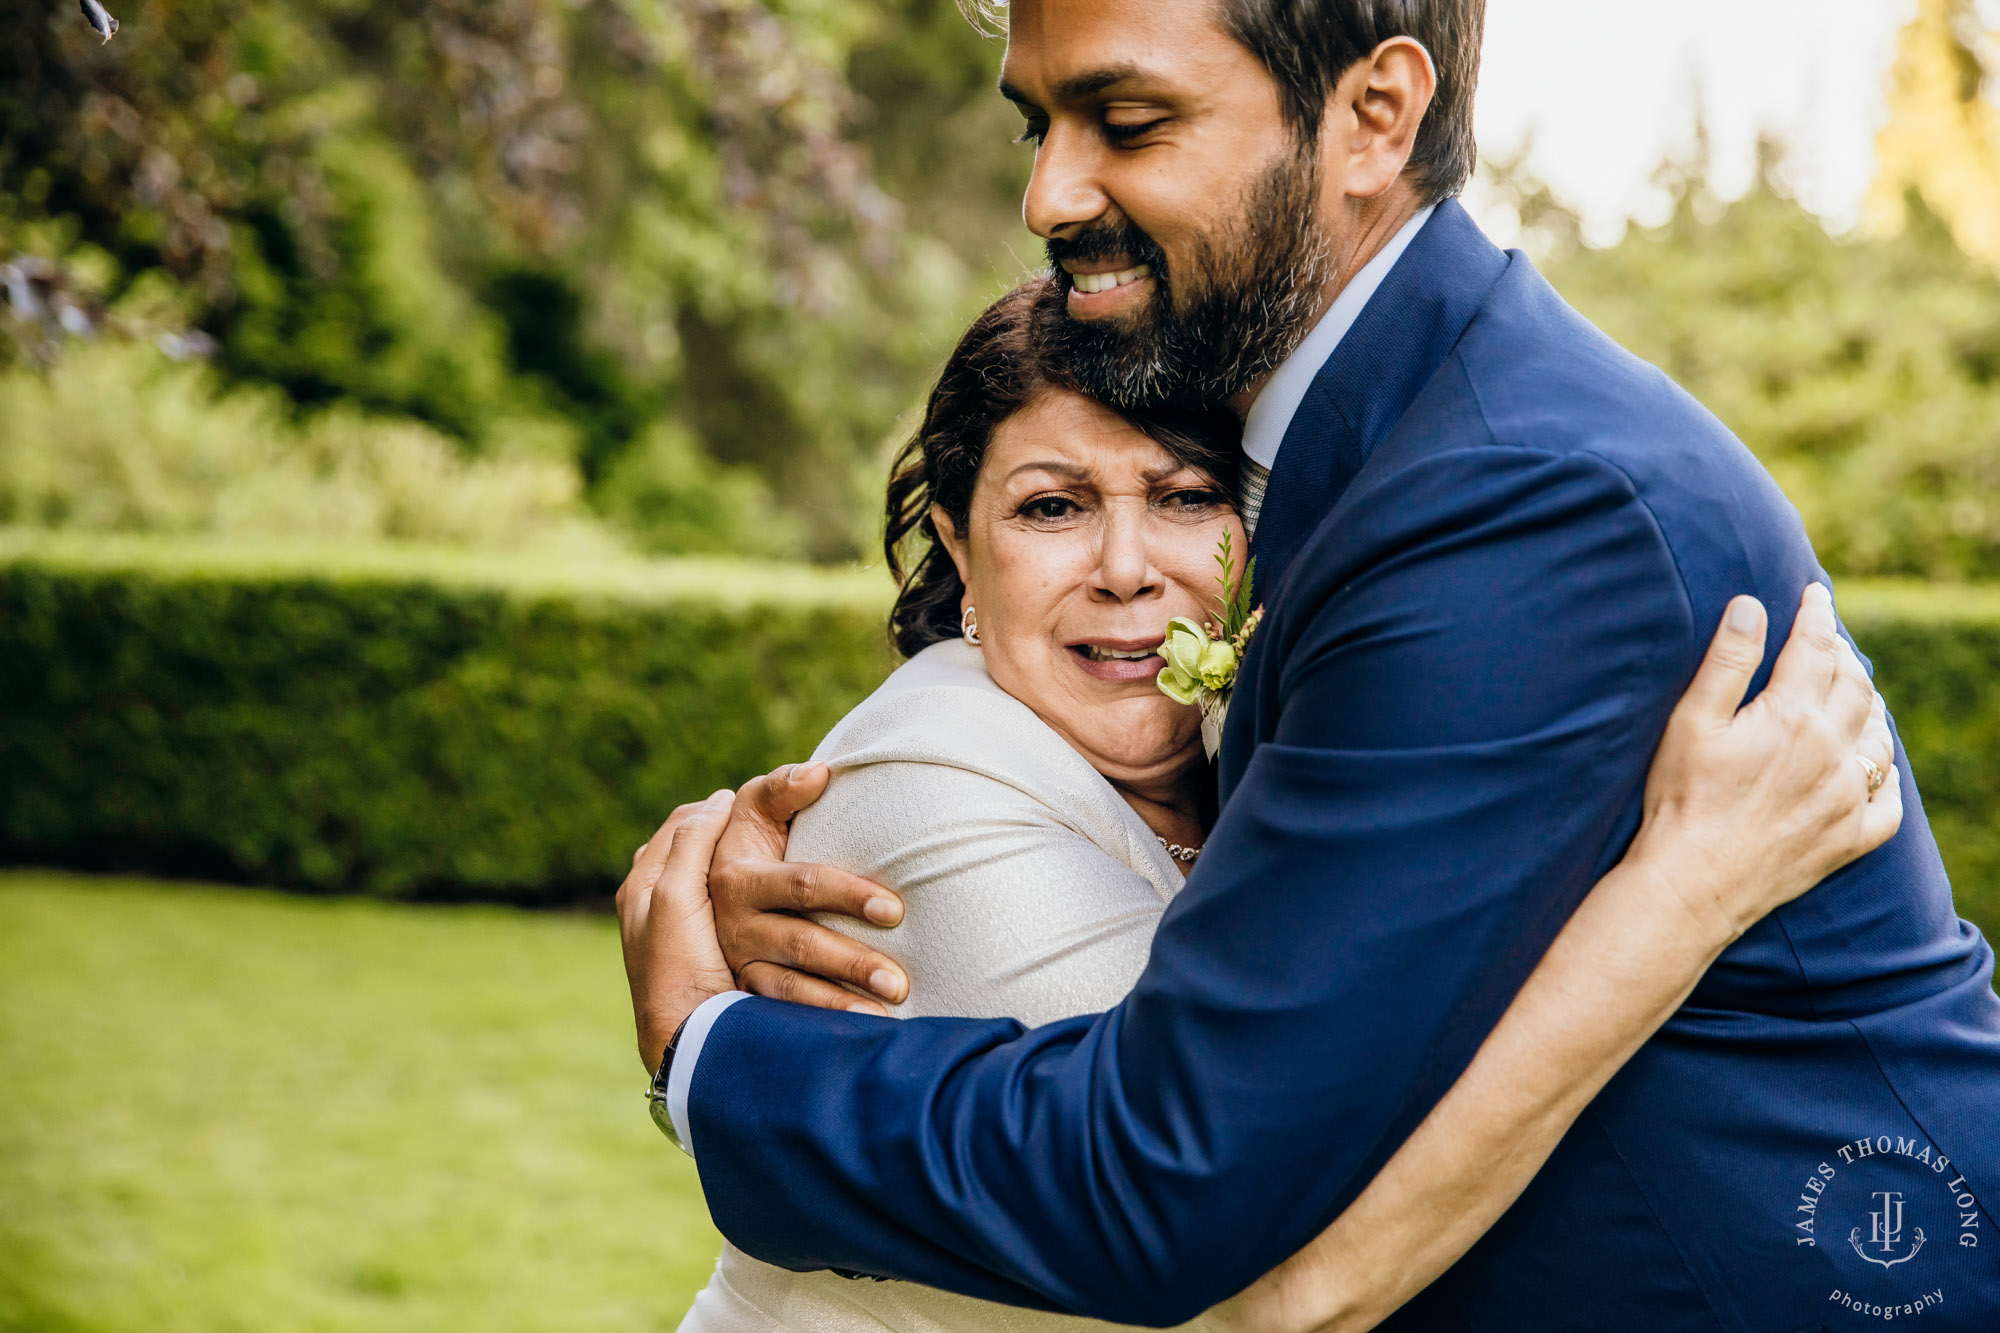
(1602, 90)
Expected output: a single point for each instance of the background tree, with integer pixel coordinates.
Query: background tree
(1942, 140)
(648, 239)
(1863, 371)
(694, 263)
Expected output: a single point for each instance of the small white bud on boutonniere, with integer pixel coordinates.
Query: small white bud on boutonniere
(1202, 658)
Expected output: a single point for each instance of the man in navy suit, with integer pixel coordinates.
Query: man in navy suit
(1493, 548)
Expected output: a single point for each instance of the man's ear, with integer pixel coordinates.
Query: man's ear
(954, 543)
(1373, 115)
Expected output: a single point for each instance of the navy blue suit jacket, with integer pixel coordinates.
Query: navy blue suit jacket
(1494, 550)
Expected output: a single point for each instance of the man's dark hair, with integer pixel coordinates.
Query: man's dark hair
(1309, 44)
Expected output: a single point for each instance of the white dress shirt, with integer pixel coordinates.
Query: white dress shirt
(1272, 412)
(1263, 432)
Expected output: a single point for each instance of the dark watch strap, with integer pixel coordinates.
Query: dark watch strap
(666, 1068)
(656, 1091)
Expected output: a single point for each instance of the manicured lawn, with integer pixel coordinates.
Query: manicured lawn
(224, 1110)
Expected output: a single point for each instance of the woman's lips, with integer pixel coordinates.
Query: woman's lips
(1118, 668)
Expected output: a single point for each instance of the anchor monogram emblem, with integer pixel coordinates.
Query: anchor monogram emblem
(1885, 1232)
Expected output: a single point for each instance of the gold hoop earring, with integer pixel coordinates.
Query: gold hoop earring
(968, 625)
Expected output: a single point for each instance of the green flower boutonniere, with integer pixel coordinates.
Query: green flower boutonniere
(1202, 659)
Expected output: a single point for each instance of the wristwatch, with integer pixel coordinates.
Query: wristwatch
(656, 1091)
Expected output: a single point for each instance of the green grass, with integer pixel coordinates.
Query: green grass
(227, 1110)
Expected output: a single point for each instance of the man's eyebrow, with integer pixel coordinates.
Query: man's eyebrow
(1089, 85)
(1080, 86)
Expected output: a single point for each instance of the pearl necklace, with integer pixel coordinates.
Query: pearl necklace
(1178, 852)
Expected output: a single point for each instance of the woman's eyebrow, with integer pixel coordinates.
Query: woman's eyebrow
(1061, 469)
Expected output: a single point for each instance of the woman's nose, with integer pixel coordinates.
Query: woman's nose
(1063, 192)
(1125, 569)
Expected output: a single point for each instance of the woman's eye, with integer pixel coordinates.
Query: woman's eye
(1049, 507)
(1192, 498)
(1032, 133)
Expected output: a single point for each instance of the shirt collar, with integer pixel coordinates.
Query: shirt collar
(1270, 415)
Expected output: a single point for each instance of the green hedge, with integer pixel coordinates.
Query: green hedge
(1936, 651)
(398, 723)
(414, 723)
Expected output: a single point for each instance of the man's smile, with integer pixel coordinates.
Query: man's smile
(1090, 280)
(1096, 289)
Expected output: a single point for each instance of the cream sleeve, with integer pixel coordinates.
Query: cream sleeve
(1011, 911)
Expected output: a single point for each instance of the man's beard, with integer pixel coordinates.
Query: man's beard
(1245, 299)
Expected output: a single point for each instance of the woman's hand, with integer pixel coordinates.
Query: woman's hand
(1747, 809)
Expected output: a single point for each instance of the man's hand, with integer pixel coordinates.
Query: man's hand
(667, 928)
(760, 902)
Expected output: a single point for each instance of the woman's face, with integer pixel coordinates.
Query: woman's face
(1085, 538)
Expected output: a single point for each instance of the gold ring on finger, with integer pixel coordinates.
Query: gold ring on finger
(1877, 775)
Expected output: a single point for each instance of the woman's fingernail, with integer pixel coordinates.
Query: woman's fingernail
(1820, 592)
(1744, 613)
(883, 911)
(885, 983)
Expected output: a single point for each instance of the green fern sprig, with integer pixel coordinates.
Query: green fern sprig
(1233, 605)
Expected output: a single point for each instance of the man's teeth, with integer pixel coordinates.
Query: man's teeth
(1097, 654)
(1091, 283)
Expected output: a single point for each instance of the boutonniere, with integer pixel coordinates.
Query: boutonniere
(1202, 659)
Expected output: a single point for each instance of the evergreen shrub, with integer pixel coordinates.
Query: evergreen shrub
(443, 725)
(1936, 651)
(433, 723)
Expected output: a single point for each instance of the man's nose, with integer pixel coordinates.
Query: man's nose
(1125, 569)
(1063, 193)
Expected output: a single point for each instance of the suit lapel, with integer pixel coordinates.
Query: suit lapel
(1401, 338)
(1403, 335)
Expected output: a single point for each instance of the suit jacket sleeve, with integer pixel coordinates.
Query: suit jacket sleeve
(1464, 682)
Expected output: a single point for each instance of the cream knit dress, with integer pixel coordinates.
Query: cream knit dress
(1032, 890)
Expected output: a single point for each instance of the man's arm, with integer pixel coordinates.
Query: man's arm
(1745, 810)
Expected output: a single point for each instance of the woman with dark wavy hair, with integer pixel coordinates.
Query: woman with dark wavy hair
(1032, 792)
(1001, 366)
